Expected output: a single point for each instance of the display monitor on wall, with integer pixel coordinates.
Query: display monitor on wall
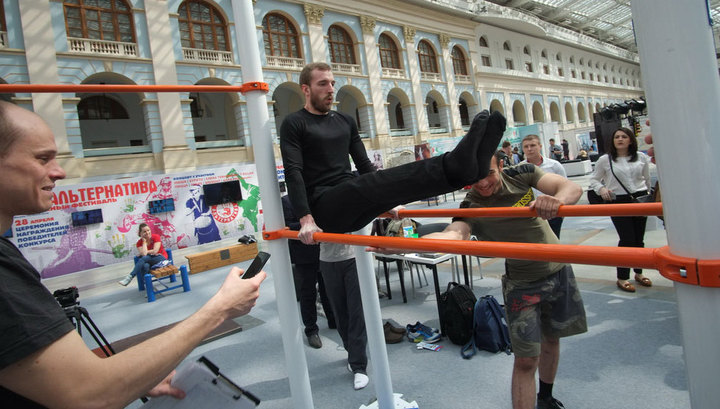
(85, 217)
(223, 192)
(161, 206)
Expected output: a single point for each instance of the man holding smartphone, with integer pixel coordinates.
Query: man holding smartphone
(43, 360)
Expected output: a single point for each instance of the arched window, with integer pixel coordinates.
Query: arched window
(101, 107)
(506, 46)
(280, 37)
(459, 61)
(202, 26)
(427, 57)
(342, 50)
(526, 50)
(389, 56)
(543, 53)
(483, 42)
(109, 20)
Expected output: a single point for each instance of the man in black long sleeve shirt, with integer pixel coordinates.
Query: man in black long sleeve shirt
(315, 143)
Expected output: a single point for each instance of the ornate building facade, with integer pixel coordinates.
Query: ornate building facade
(408, 71)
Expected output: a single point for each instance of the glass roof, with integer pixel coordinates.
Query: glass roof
(607, 20)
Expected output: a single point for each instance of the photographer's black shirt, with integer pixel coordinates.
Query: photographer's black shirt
(31, 317)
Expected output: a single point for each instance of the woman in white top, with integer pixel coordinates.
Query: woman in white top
(630, 169)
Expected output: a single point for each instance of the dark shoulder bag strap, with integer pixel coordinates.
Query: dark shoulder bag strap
(616, 178)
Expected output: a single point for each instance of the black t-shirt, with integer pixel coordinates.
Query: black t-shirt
(31, 317)
(315, 152)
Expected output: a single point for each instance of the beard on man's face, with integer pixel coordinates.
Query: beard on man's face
(320, 104)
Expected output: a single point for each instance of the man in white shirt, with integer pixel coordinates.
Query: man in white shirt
(533, 154)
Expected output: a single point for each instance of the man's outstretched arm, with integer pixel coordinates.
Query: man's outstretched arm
(558, 191)
(66, 374)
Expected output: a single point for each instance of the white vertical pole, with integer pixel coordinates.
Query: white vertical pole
(680, 76)
(373, 325)
(261, 135)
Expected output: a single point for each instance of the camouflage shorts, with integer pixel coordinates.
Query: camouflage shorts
(550, 307)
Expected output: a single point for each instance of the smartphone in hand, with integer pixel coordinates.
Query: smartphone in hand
(256, 265)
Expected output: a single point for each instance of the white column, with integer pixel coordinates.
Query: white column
(257, 107)
(318, 47)
(373, 325)
(378, 109)
(421, 123)
(683, 91)
(42, 66)
(454, 126)
(175, 149)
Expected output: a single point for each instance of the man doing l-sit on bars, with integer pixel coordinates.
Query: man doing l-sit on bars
(315, 143)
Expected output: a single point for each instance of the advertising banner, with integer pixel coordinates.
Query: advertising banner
(107, 214)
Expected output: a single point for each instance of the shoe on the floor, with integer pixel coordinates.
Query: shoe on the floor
(626, 286)
(314, 341)
(644, 281)
(392, 337)
(549, 403)
(125, 281)
(360, 380)
(420, 332)
(389, 327)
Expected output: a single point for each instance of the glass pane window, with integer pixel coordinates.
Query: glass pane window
(205, 22)
(341, 46)
(389, 56)
(280, 36)
(427, 57)
(459, 63)
(109, 20)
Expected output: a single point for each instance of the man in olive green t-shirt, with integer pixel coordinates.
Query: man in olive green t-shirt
(542, 300)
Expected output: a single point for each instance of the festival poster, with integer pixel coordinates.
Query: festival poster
(56, 247)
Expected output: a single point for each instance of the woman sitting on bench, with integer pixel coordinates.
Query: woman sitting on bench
(151, 251)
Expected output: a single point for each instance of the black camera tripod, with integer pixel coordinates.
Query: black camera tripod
(79, 315)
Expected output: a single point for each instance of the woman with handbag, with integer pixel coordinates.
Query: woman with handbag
(623, 176)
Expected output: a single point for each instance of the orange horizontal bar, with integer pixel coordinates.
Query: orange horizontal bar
(5, 88)
(562, 253)
(622, 209)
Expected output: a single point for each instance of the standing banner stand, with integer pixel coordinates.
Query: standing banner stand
(680, 76)
(375, 335)
(261, 135)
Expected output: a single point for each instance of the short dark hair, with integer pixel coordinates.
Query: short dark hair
(8, 131)
(505, 144)
(306, 73)
(500, 156)
(632, 149)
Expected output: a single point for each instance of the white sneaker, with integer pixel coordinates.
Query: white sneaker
(361, 380)
(125, 281)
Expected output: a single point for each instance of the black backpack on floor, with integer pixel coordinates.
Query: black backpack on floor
(456, 313)
(490, 329)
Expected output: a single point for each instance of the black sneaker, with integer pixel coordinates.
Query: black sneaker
(549, 403)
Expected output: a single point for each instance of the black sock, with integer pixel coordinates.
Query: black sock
(545, 390)
(461, 164)
(491, 142)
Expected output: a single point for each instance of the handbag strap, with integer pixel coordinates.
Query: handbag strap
(616, 178)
